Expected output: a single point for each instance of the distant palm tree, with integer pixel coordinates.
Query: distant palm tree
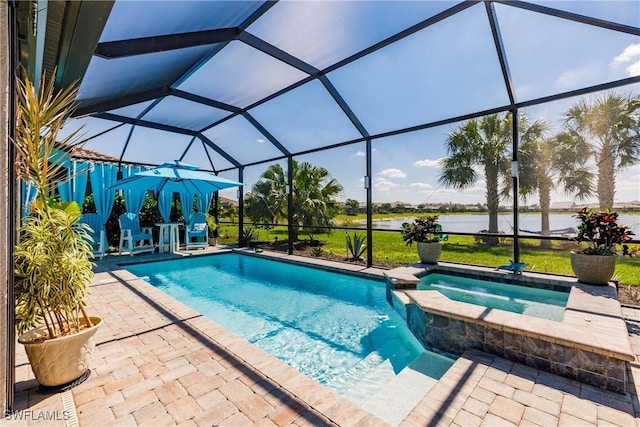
(547, 164)
(267, 200)
(231, 211)
(484, 143)
(351, 206)
(607, 130)
(314, 197)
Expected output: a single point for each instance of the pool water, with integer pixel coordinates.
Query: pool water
(335, 328)
(532, 301)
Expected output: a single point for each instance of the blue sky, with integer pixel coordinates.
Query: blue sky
(445, 70)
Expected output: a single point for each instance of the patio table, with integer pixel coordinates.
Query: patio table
(169, 235)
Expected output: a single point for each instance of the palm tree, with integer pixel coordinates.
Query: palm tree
(549, 163)
(608, 131)
(314, 197)
(352, 206)
(267, 201)
(485, 143)
(231, 211)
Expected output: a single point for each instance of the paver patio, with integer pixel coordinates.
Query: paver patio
(158, 362)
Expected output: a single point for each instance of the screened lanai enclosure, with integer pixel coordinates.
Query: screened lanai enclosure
(341, 117)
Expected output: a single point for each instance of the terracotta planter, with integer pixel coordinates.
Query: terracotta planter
(593, 269)
(60, 360)
(429, 252)
(213, 241)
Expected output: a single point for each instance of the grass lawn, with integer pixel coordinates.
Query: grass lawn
(388, 247)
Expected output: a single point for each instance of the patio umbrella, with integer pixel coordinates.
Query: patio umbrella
(176, 177)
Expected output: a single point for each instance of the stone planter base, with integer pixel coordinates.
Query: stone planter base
(593, 269)
(429, 252)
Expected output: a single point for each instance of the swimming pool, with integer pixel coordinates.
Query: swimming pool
(335, 328)
(543, 303)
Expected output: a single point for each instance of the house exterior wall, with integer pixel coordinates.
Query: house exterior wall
(4, 199)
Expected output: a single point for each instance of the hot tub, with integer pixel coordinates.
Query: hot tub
(589, 343)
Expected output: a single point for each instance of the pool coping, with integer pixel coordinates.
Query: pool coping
(593, 319)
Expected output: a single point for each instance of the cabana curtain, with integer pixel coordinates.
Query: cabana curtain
(133, 199)
(186, 200)
(75, 187)
(203, 201)
(103, 176)
(164, 205)
(29, 193)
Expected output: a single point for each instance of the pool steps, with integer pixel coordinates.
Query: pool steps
(397, 398)
(357, 384)
(371, 383)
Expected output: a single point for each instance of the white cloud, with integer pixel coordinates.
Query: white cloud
(261, 140)
(568, 79)
(361, 153)
(384, 185)
(428, 163)
(633, 69)
(630, 53)
(392, 173)
(630, 57)
(421, 186)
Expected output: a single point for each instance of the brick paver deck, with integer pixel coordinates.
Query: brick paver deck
(158, 362)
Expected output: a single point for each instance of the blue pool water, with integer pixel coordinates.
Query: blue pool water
(335, 328)
(537, 302)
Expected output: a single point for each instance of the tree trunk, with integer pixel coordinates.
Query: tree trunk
(493, 202)
(606, 176)
(545, 203)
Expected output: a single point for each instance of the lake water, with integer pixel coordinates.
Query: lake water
(469, 223)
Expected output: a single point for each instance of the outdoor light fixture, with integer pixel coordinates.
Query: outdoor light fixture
(287, 189)
(514, 168)
(367, 182)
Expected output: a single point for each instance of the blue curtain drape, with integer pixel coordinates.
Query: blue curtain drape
(133, 199)
(203, 201)
(186, 200)
(74, 187)
(29, 194)
(164, 204)
(102, 177)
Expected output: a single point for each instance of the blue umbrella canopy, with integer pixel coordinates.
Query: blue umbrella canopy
(176, 177)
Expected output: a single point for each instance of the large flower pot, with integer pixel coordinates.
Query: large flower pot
(60, 360)
(429, 252)
(593, 269)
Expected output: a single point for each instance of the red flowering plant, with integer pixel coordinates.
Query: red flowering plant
(422, 229)
(600, 231)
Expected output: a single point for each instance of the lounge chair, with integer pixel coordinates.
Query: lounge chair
(515, 267)
(97, 233)
(196, 231)
(443, 237)
(132, 237)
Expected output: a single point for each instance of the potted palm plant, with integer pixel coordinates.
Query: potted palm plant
(594, 261)
(53, 259)
(212, 230)
(425, 232)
